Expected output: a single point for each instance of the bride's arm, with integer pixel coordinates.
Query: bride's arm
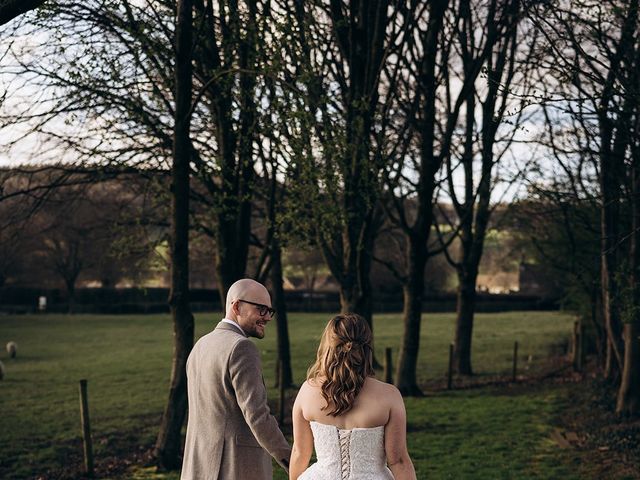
(302, 439)
(395, 440)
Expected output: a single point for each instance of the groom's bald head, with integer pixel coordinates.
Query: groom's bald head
(249, 305)
(246, 289)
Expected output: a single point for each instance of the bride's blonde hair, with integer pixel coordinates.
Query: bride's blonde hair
(343, 362)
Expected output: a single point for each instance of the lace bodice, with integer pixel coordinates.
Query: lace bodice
(356, 454)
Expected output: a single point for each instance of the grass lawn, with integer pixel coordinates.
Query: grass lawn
(487, 432)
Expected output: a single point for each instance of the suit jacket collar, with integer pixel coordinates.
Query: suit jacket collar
(226, 326)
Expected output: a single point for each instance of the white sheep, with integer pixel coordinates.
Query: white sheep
(12, 349)
(1, 370)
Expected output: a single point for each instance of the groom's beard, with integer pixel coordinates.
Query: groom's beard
(258, 330)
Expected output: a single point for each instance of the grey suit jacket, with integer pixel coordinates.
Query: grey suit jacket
(231, 434)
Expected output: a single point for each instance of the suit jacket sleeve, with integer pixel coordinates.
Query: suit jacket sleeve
(246, 377)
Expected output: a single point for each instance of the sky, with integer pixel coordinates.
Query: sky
(38, 149)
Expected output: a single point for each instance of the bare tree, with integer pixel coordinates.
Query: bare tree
(559, 230)
(428, 112)
(628, 401)
(74, 224)
(126, 104)
(593, 54)
(337, 52)
(123, 108)
(226, 67)
(472, 168)
(169, 442)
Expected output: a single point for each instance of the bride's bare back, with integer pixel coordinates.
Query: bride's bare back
(342, 396)
(377, 404)
(371, 408)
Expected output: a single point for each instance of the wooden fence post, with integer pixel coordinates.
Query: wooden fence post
(86, 429)
(515, 361)
(578, 345)
(388, 366)
(450, 372)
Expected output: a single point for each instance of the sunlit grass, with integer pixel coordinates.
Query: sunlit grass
(126, 360)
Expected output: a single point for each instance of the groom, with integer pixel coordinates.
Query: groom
(231, 433)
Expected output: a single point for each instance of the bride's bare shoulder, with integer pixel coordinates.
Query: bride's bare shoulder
(383, 388)
(304, 392)
(309, 387)
(314, 382)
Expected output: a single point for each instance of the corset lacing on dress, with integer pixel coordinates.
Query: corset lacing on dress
(344, 436)
(355, 454)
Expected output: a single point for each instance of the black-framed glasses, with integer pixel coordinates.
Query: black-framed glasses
(262, 309)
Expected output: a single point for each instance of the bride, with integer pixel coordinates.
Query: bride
(357, 423)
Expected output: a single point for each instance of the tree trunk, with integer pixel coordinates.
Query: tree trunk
(357, 297)
(413, 289)
(231, 185)
(360, 29)
(601, 337)
(354, 300)
(233, 230)
(609, 373)
(365, 307)
(349, 295)
(169, 441)
(71, 294)
(614, 141)
(609, 218)
(365, 304)
(418, 234)
(230, 263)
(628, 403)
(284, 352)
(465, 310)
(609, 292)
(474, 212)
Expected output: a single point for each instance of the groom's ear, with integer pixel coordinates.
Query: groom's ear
(235, 307)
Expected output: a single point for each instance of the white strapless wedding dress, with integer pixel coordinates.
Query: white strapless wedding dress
(356, 454)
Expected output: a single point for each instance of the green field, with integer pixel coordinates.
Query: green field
(489, 432)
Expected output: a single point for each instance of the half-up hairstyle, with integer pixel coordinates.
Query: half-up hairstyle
(344, 361)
